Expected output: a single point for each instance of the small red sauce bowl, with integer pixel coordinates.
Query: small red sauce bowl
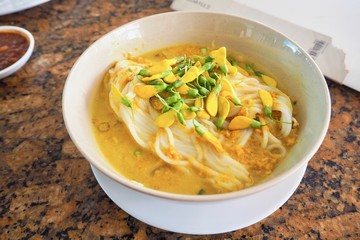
(8, 31)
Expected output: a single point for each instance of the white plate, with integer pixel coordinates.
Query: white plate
(12, 6)
(200, 217)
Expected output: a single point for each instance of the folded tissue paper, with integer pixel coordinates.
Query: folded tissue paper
(325, 29)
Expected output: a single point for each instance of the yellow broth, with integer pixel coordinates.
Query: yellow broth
(144, 167)
(133, 162)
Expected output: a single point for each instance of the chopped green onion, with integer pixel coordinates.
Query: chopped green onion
(180, 117)
(173, 99)
(268, 111)
(144, 73)
(204, 50)
(202, 80)
(138, 152)
(177, 106)
(194, 109)
(166, 73)
(224, 69)
(208, 66)
(256, 124)
(156, 82)
(203, 91)
(201, 192)
(177, 83)
(193, 92)
(180, 59)
(211, 81)
(208, 59)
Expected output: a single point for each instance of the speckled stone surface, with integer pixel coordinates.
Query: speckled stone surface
(47, 189)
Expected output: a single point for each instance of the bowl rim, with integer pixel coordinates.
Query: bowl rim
(212, 197)
(25, 57)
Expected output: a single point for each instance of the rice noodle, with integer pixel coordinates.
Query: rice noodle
(221, 169)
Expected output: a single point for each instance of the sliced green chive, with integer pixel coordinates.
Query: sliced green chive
(144, 73)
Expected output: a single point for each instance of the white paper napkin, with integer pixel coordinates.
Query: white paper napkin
(326, 29)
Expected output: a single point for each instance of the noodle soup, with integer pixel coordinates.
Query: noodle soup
(192, 120)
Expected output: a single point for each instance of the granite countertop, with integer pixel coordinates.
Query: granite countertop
(48, 190)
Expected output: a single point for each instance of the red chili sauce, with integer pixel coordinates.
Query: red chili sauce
(12, 47)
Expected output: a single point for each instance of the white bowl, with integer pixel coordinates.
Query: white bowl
(202, 214)
(21, 62)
